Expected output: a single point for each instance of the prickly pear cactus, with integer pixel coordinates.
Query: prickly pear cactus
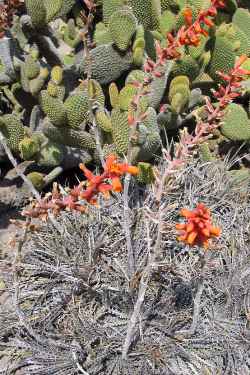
(83, 93)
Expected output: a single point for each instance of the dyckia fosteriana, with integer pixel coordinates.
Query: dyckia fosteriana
(199, 228)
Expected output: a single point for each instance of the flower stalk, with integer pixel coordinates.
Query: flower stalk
(85, 191)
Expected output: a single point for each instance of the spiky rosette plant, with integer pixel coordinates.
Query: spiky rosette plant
(73, 299)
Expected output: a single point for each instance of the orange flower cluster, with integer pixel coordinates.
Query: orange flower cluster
(198, 229)
(72, 200)
(112, 171)
(189, 35)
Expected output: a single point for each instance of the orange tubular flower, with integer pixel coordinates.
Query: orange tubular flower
(199, 228)
(188, 15)
(95, 185)
(112, 171)
(116, 184)
(190, 33)
(114, 168)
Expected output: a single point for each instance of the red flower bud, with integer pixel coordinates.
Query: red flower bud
(212, 11)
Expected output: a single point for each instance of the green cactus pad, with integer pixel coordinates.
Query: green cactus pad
(109, 149)
(102, 34)
(199, 4)
(179, 93)
(103, 120)
(52, 8)
(148, 138)
(71, 29)
(56, 91)
(122, 26)
(70, 137)
(71, 35)
(205, 153)
(37, 180)
(180, 20)
(13, 130)
(237, 37)
(51, 154)
(31, 67)
(136, 75)
(37, 12)
(167, 22)
(138, 56)
(241, 18)
(186, 66)
(174, 85)
(107, 63)
(158, 85)
(169, 5)
(57, 74)
(28, 148)
(120, 130)
(114, 95)
(147, 12)
(36, 84)
(109, 7)
(139, 43)
(66, 7)
(126, 96)
(235, 123)
(150, 122)
(138, 51)
(150, 147)
(52, 89)
(196, 52)
(222, 59)
(95, 92)
(77, 110)
(54, 109)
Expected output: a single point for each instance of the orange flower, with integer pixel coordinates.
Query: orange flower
(198, 229)
(119, 169)
(116, 184)
(188, 16)
(88, 190)
(112, 171)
